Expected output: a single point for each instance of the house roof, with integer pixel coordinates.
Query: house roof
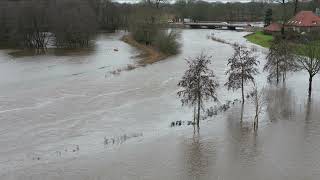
(273, 27)
(304, 19)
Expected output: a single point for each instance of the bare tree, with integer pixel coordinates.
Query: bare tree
(258, 98)
(144, 24)
(242, 68)
(156, 3)
(33, 20)
(309, 60)
(4, 30)
(296, 5)
(109, 14)
(198, 84)
(73, 23)
(283, 4)
(25, 25)
(279, 60)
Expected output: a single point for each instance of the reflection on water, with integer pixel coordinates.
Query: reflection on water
(309, 109)
(199, 156)
(195, 160)
(281, 103)
(311, 119)
(52, 51)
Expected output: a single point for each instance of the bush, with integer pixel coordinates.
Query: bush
(144, 25)
(144, 33)
(166, 42)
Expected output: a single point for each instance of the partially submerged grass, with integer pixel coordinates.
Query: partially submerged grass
(260, 38)
(129, 67)
(219, 40)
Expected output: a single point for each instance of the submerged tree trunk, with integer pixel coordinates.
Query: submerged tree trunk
(241, 116)
(283, 18)
(199, 106)
(277, 72)
(256, 121)
(296, 4)
(256, 118)
(242, 90)
(310, 84)
(194, 115)
(282, 30)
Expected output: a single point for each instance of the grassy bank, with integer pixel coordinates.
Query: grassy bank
(260, 38)
(148, 54)
(265, 40)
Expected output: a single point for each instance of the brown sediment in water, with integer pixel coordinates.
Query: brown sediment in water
(148, 54)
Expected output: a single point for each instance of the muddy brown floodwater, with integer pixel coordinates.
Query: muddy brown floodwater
(65, 116)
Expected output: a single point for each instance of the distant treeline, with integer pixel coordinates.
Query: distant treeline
(251, 11)
(63, 23)
(73, 23)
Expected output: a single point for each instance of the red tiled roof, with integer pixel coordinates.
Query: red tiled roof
(273, 27)
(305, 19)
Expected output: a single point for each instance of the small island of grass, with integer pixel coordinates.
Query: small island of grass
(163, 45)
(148, 54)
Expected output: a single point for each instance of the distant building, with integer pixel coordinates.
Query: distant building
(187, 20)
(273, 28)
(304, 21)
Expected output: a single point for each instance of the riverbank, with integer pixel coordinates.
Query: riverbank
(148, 54)
(260, 38)
(265, 40)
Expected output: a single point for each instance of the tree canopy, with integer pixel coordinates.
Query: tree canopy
(198, 83)
(242, 68)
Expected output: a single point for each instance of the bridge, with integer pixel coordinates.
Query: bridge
(215, 25)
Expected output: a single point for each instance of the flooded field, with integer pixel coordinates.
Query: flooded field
(68, 116)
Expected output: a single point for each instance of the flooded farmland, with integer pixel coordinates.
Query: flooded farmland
(68, 116)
